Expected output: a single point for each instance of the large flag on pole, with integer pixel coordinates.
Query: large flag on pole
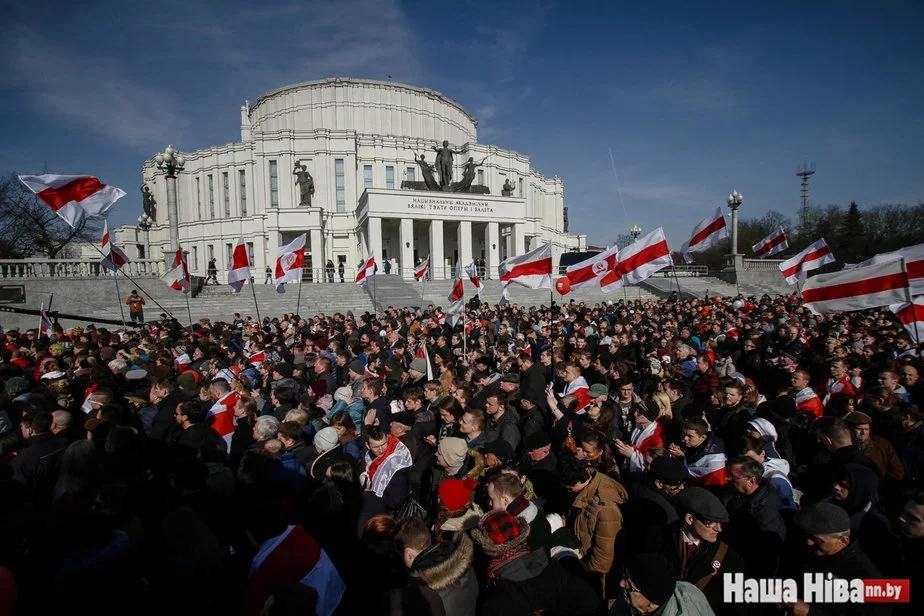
(472, 272)
(239, 266)
(532, 270)
(911, 316)
(588, 272)
(114, 257)
(456, 302)
(638, 261)
(73, 197)
(367, 269)
(813, 257)
(857, 289)
(420, 271)
(774, 243)
(914, 264)
(289, 262)
(178, 277)
(706, 234)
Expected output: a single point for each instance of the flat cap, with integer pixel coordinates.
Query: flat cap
(702, 504)
(669, 471)
(598, 389)
(511, 377)
(822, 519)
(536, 440)
(857, 418)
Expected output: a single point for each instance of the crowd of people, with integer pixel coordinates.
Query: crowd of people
(616, 458)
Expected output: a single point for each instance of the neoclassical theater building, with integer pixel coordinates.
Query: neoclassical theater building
(360, 141)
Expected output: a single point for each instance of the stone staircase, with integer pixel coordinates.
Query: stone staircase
(436, 292)
(701, 286)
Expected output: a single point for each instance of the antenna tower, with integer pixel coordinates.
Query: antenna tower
(805, 171)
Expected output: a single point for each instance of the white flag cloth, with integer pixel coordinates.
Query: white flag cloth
(706, 234)
(532, 270)
(911, 317)
(178, 277)
(914, 264)
(504, 298)
(638, 261)
(367, 269)
(73, 197)
(420, 271)
(857, 289)
(589, 272)
(472, 272)
(456, 302)
(45, 324)
(113, 257)
(813, 257)
(289, 262)
(774, 243)
(239, 266)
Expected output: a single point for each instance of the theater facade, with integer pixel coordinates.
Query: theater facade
(339, 160)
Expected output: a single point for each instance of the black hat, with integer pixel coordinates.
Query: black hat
(654, 576)
(357, 367)
(703, 504)
(404, 417)
(669, 471)
(822, 519)
(500, 448)
(511, 377)
(784, 406)
(284, 370)
(536, 440)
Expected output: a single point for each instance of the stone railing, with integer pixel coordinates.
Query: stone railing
(762, 265)
(73, 268)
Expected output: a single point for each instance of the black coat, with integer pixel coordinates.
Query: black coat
(849, 563)
(37, 464)
(164, 421)
(756, 529)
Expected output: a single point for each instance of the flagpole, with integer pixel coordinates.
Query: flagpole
(253, 290)
(188, 311)
(115, 278)
(375, 309)
(298, 302)
(41, 311)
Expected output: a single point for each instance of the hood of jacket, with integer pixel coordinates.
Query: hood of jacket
(524, 568)
(608, 489)
(444, 563)
(779, 465)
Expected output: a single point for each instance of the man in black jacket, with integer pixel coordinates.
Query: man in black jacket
(532, 379)
(37, 464)
(194, 433)
(165, 396)
(755, 527)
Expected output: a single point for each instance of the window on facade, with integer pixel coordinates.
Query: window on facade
(481, 177)
(340, 185)
(390, 177)
(211, 196)
(521, 187)
(274, 184)
(228, 249)
(226, 193)
(242, 181)
(199, 198)
(140, 248)
(250, 252)
(211, 252)
(367, 176)
(195, 258)
(411, 173)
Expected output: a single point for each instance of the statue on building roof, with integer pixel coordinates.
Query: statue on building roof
(444, 163)
(564, 216)
(507, 188)
(148, 204)
(305, 183)
(468, 175)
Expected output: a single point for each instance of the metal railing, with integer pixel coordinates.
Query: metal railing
(762, 265)
(74, 268)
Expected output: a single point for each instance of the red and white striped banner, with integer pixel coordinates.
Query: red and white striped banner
(239, 267)
(73, 197)
(813, 257)
(532, 270)
(638, 261)
(178, 277)
(588, 272)
(456, 302)
(706, 234)
(774, 243)
(911, 316)
(113, 257)
(289, 262)
(420, 271)
(472, 272)
(857, 289)
(368, 269)
(914, 264)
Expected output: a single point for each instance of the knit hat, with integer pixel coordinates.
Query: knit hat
(18, 385)
(284, 370)
(500, 532)
(453, 450)
(357, 367)
(419, 365)
(326, 439)
(343, 393)
(654, 576)
(668, 470)
(455, 493)
(187, 382)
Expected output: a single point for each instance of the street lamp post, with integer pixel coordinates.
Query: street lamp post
(145, 223)
(734, 202)
(171, 162)
(635, 231)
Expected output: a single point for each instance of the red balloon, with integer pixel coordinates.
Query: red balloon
(563, 285)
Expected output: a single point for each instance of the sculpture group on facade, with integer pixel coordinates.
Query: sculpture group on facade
(443, 168)
(305, 183)
(148, 204)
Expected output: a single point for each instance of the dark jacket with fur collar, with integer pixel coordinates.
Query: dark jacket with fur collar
(447, 568)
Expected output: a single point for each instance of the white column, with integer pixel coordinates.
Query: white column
(317, 256)
(464, 241)
(437, 254)
(406, 237)
(519, 240)
(491, 241)
(374, 237)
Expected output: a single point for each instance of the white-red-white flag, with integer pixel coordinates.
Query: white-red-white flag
(456, 302)
(774, 243)
(367, 269)
(113, 257)
(289, 262)
(255, 359)
(914, 264)
(73, 197)
(638, 261)
(239, 266)
(178, 277)
(706, 234)
(420, 272)
(813, 257)
(911, 316)
(857, 289)
(532, 270)
(588, 272)
(221, 416)
(504, 298)
(45, 324)
(472, 272)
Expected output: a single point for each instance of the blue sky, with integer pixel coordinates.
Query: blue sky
(692, 99)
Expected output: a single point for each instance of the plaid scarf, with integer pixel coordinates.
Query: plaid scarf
(517, 506)
(502, 558)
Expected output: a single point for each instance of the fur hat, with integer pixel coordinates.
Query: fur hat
(500, 532)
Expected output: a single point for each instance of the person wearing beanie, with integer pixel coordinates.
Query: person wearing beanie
(524, 581)
(650, 585)
(454, 460)
(330, 451)
(457, 511)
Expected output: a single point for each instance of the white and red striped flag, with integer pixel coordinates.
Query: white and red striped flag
(289, 262)
(532, 270)
(255, 359)
(239, 267)
(911, 316)
(588, 272)
(456, 302)
(420, 272)
(813, 257)
(638, 261)
(774, 243)
(472, 272)
(708, 470)
(914, 264)
(178, 277)
(367, 269)
(706, 234)
(857, 289)
(113, 257)
(45, 324)
(73, 197)
(221, 416)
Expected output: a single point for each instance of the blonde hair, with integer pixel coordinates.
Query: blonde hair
(664, 403)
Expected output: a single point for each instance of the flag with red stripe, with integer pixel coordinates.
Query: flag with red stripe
(420, 272)
(588, 272)
(73, 197)
(708, 470)
(367, 269)
(914, 264)
(911, 316)
(472, 272)
(239, 266)
(178, 277)
(857, 289)
(813, 257)
(221, 416)
(289, 262)
(774, 243)
(706, 234)
(113, 257)
(638, 261)
(257, 358)
(456, 302)
(532, 270)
